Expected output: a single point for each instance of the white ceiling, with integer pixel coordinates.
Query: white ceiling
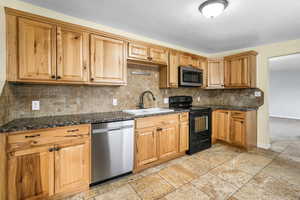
(245, 23)
(289, 63)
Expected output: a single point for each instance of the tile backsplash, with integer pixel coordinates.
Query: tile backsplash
(16, 99)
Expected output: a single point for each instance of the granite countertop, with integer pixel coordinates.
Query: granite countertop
(26, 124)
(63, 120)
(224, 107)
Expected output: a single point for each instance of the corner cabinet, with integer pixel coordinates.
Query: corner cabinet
(238, 128)
(158, 139)
(49, 163)
(240, 70)
(108, 61)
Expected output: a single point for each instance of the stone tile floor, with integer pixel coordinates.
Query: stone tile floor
(219, 173)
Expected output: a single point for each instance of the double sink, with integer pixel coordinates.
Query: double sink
(148, 111)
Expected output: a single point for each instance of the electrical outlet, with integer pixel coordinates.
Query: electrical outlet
(115, 102)
(35, 105)
(257, 93)
(198, 99)
(166, 100)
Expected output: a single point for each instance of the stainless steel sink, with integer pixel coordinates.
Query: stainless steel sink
(148, 111)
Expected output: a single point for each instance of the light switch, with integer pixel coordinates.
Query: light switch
(166, 100)
(115, 102)
(257, 93)
(35, 105)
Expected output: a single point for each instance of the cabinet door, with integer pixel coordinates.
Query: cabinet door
(158, 55)
(203, 66)
(237, 72)
(168, 140)
(72, 46)
(31, 174)
(37, 50)
(195, 62)
(185, 60)
(173, 68)
(138, 51)
(215, 74)
(108, 64)
(72, 166)
(221, 125)
(146, 146)
(184, 136)
(237, 131)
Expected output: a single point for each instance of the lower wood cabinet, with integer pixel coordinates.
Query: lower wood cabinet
(50, 170)
(238, 128)
(159, 138)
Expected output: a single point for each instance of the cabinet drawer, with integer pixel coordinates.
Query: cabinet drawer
(46, 136)
(238, 114)
(156, 121)
(184, 117)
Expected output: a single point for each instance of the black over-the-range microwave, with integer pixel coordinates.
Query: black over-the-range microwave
(190, 76)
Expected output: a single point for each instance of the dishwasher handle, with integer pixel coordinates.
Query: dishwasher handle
(105, 130)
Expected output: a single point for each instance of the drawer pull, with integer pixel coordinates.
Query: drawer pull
(159, 129)
(73, 130)
(32, 136)
(51, 149)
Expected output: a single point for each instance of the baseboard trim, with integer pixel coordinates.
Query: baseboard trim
(264, 146)
(285, 117)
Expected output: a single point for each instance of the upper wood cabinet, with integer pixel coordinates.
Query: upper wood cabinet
(240, 70)
(185, 59)
(37, 49)
(173, 68)
(108, 61)
(147, 53)
(215, 73)
(72, 55)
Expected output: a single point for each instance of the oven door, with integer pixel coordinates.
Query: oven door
(200, 131)
(190, 76)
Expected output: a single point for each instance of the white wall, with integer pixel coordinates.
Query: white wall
(285, 86)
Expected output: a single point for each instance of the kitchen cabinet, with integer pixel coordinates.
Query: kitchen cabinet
(158, 139)
(72, 165)
(173, 68)
(240, 70)
(184, 132)
(168, 140)
(72, 56)
(147, 53)
(36, 50)
(221, 124)
(235, 127)
(215, 73)
(48, 163)
(146, 146)
(185, 59)
(31, 174)
(108, 62)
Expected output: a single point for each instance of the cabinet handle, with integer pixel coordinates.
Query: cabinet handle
(73, 130)
(149, 58)
(58, 77)
(32, 136)
(159, 129)
(92, 79)
(51, 149)
(53, 76)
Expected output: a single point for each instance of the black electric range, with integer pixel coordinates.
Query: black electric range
(199, 122)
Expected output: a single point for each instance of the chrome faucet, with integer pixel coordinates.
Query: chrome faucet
(141, 104)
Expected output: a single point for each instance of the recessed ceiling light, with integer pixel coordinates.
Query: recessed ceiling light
(213, 8)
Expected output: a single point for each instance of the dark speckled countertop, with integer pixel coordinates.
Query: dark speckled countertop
(27, 124)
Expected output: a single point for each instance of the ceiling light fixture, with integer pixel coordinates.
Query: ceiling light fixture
(213, 8)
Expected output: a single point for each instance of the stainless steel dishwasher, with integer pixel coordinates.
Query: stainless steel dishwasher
(112, 150)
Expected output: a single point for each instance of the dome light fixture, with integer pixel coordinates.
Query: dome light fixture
(213, 8)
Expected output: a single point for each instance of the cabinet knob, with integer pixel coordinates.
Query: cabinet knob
(92, 79)
(149, 58)
(53, 76)
(58, 77)
(159, 129)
